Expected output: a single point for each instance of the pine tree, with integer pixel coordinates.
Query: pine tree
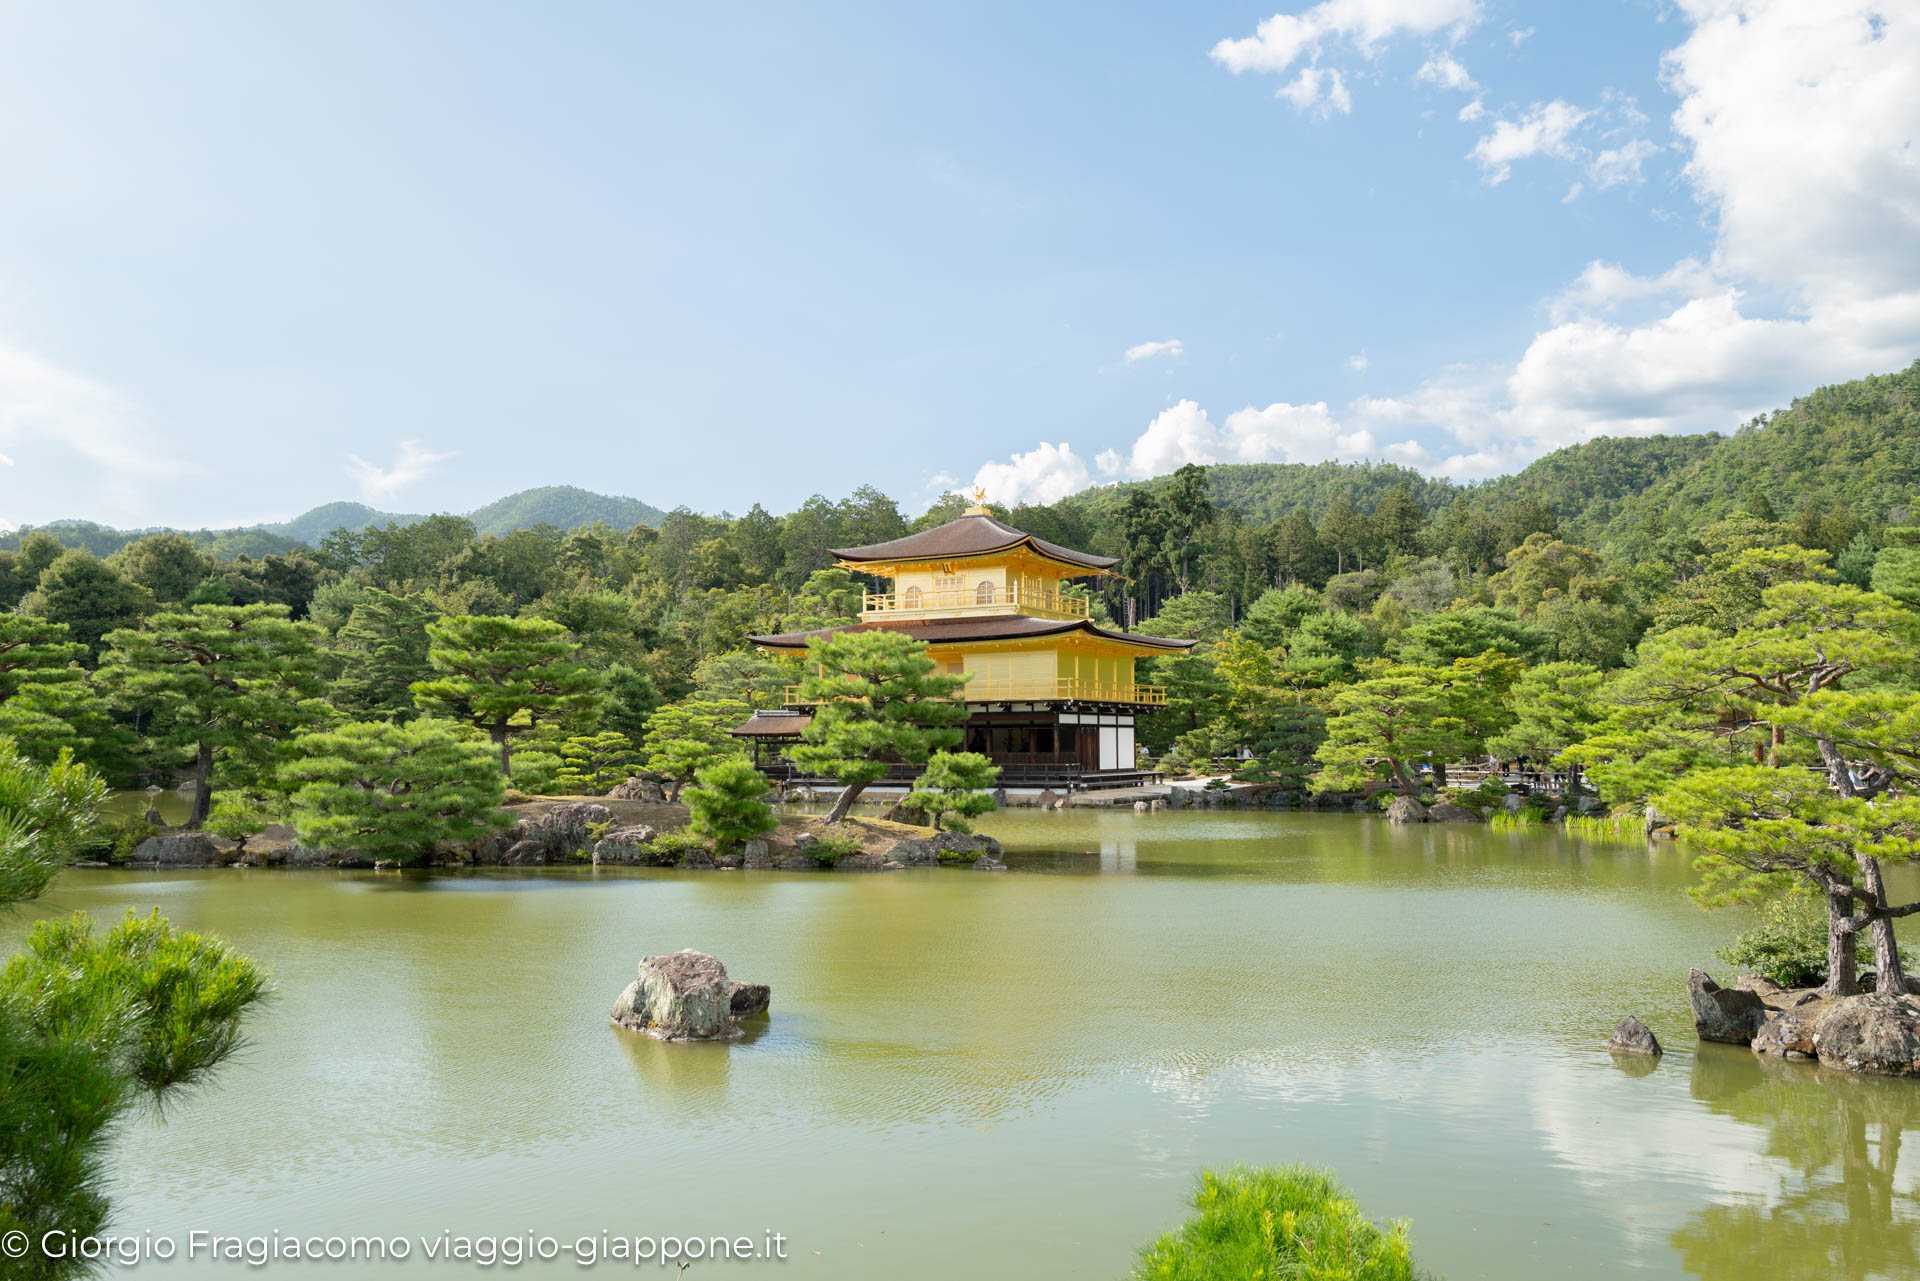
(725, 803)
(594, 764)
(384, 644)
(92, 1026)
(686, 737)
(504, 675)
(956, 783)
(222, 685)
(392, 791)
(877, 702)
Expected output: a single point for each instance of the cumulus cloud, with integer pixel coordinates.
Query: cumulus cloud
(1148, 350)
(1281, 433)
(1620, 165)
(1544, 131)
(1044, 474)
(1362, 25)
(1446, 72)
(1472, 111)
(411, 464)
(1519, 35)
(1358, 362)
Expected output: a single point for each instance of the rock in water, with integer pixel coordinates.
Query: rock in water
(1445, 813)
(684, 996)
(1724, 1014)
(1633, 1037)
(1878, 1034)
(749, 999)
(1406, 810)
(630, 844)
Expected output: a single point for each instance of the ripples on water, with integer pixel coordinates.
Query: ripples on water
(1032, 1064)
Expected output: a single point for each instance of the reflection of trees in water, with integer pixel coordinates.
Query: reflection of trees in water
(1840, 1209)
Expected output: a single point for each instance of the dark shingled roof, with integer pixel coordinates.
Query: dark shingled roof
(774, 724)
(968, 536)
(937, 631)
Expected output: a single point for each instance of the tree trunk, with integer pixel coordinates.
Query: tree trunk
(1843, 967)
(499, 736)
(848, 795)
(1888, 978)
(202, 787)
(1837, 772)
(1439, 775)
(1400, 776)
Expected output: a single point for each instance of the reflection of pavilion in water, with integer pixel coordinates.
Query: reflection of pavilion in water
(1118, 856)
(1843, 1206)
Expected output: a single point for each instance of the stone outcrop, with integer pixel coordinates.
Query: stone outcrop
(1446, 813)
(748, 1000)
(180, 849)
(1633, 1037)
(557, 835)
(639, 789)
(683, 996)
(1789, 1033)
(1724, 1014)
(627, 846)
(988, 863)
(925, 851)
(1406, 810)
(756, 853)
(1872, 1033)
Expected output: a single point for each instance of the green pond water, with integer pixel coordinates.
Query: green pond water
(1018, 1075)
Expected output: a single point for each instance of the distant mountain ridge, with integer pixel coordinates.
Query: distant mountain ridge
(562, 506)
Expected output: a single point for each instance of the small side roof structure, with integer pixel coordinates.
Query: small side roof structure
(977, 533)
(773, 724)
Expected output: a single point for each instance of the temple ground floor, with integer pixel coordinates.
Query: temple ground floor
(1069, 745)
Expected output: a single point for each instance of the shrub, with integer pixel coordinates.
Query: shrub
(725, 802)
(1289, 1221)
(833, 845)
(1788, 942)
(674, 846)
(1489, 792)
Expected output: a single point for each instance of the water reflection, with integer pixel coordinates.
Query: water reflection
(1840, 1204)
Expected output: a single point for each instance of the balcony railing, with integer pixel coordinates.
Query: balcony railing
(980, 690)
(950, 604)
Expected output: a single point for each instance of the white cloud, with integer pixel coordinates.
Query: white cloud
(411, 465)
(1795, 120)
(1286, 38)
(1519, 35)
(1472, 111)
(1544, 131)
(1045, 474)
(1318, 90)
(45, 407)
(1148, 350)
(1446, 72)
(1279, 433)
(1620, 165)
(1358, 362)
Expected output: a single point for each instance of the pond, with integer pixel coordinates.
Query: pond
(1019, 1074)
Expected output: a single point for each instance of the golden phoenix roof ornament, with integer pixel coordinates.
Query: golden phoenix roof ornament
(979, 507)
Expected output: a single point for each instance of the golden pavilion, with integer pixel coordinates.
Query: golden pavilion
(1052, 696)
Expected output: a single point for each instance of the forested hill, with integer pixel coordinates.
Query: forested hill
(562, 506)
(1847, 455)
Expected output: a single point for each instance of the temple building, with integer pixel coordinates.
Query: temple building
(1052, 696)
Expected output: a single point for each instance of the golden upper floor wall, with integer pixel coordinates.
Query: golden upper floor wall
(963, 588)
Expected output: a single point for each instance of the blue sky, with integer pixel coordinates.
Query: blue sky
(254, 258)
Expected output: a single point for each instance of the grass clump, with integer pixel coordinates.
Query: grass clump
(1625, 825)
(1275, 1222)
(1514, 822)
(833, 844)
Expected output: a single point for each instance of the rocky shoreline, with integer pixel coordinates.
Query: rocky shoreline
(608, 831)
(1869, 1032)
